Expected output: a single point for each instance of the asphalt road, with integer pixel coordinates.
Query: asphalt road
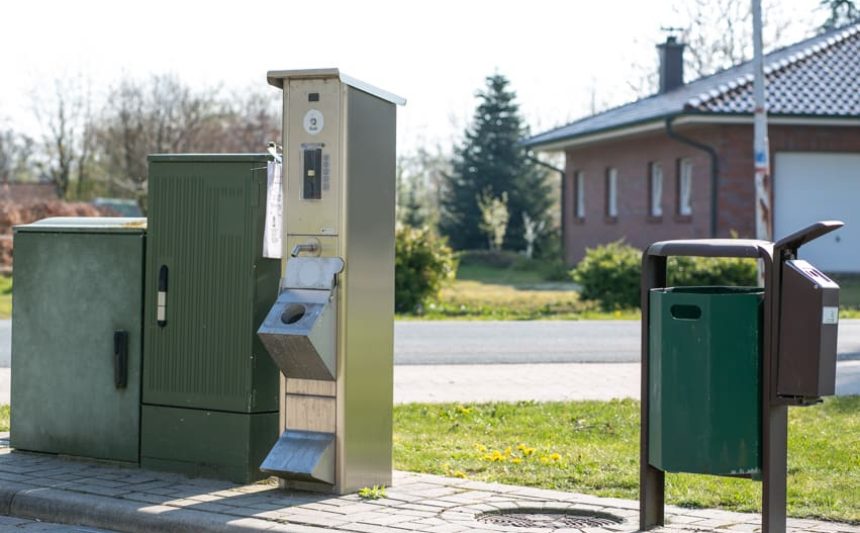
(540, 341)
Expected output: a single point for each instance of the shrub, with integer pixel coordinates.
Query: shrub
(610, 274)
(712, 271)
(422, 263)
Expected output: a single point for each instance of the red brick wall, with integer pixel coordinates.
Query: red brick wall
(634, 223)
(631, 156)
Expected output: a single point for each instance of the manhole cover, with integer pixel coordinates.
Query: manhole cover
(545, 518)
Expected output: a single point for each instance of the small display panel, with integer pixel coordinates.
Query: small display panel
(312, 189)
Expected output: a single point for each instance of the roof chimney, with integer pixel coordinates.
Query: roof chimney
(671, 64)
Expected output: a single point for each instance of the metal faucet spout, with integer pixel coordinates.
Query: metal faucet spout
(311, 247)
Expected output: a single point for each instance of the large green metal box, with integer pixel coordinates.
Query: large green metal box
(705, 389)
(78, 282)
(206, 220)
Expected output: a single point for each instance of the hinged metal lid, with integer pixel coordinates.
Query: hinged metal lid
(809, 233)
(312, 273)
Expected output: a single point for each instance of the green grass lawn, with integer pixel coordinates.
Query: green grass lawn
(501, 275)
(522, 290)
(477, 300)
(5, 297)
(593, 447)
(4, 418)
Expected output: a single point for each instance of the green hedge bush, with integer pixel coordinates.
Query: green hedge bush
(423, 262)
(611, 273)
(711, 271)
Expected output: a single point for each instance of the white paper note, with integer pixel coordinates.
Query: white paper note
(274, 213)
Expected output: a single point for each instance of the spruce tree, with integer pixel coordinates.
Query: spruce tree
(489, 163)
(842, 13)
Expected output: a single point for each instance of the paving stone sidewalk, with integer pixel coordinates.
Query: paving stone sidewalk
(99, 495)
(13, 523)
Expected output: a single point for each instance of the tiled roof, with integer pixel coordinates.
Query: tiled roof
(816, 77)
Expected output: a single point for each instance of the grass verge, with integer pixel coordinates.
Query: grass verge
(592, 447)
(506, 286)
(476, 300)
(4, 418)
(5, 297)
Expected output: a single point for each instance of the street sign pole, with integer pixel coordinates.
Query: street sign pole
(763, 213)
(774, 416)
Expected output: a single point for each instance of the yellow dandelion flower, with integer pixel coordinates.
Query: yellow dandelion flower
(494, 456)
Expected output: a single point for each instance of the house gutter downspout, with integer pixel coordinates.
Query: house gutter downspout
(531, 157)
(715, 169)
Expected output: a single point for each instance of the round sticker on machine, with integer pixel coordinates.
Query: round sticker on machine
(313, 121)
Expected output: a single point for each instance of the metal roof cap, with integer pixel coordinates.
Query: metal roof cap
(276, 78)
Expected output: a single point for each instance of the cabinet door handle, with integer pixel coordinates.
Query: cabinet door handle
(161, 304)
(120, 359)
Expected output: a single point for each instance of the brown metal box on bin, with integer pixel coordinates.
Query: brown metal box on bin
(809, 319)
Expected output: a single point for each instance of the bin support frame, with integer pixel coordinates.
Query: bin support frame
(774, 409)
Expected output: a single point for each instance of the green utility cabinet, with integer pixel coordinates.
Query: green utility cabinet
(210, 390)
(704, 394)
(76, 343)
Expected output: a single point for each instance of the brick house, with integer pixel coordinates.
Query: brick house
(25, 192)
(679, 164)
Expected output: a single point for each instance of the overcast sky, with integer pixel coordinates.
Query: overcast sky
(434, 53)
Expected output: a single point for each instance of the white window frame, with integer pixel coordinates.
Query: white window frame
(656, 189)
(579, 195)
(612, 192)
(685, 187)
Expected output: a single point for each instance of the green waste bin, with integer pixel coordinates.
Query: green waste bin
(705, 385)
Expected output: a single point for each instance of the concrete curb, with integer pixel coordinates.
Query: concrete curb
(58, 506)
(8, 491)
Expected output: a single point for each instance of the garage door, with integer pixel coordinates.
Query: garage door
(818, 186)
